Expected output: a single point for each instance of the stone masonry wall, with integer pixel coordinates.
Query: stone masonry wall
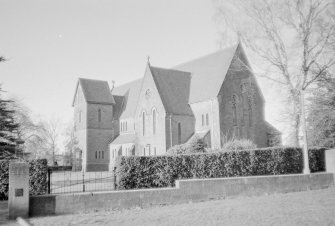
(193, 190)
(99, 134)
(147, 103)
(240, 82)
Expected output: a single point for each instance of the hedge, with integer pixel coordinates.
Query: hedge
(135, 172)
(38, 178)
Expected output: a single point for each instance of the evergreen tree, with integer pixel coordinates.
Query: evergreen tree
(8, 129)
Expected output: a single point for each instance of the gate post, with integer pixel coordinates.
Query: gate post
(49, 181)
(18, 194)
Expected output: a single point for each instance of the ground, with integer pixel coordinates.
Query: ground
(301, 208)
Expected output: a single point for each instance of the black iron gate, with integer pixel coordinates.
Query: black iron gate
(72, 182)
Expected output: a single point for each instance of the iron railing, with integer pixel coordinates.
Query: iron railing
(72, 182)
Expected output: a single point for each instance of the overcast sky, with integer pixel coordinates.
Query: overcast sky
(49, 44)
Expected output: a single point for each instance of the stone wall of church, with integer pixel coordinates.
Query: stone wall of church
(149, 101)
(179, 136)
(80, 123)
(241, 107)
(99, 133)
(207, 118)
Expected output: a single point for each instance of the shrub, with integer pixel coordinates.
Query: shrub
(4, 179)
(238, 145)
(162, 171)
(38, 177)
(177, 150)
(196, 145)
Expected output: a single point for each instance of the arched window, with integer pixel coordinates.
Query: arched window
(179, 133)
(154, 121)
(143, 122)
(250, 111)
(234, 103)
(96, 154)
(207, 120)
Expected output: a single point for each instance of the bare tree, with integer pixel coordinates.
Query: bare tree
(51, 131)
(293, 40)
(70, 143)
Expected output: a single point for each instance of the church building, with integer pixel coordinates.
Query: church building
(215, 97)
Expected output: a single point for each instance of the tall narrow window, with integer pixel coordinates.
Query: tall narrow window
(126, 127)
(143, 122)
(99, 115)
(179, 133)
(202, 120)
(250, 111)
(234, 103)
(154, 121)
(96, 154)
(144, 151)
(79, 116)
(207, 120)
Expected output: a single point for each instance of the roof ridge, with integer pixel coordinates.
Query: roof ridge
(90, 79)
(170, 69)
(207, 55)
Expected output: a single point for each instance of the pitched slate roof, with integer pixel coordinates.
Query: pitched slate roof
(95, 91)
(208, 73)
(174, 89)
(271, 129)
(198, 135)
(130, 92)
(117, 110)
(124, 139)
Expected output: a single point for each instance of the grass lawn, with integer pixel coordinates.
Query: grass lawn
(301, 208)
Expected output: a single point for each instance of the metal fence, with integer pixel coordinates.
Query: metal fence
(72, 182)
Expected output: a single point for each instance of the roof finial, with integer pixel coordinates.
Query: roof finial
(148, 60)
(113, 82)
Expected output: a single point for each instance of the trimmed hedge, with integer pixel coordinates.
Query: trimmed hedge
(38, 178)
(135, 172)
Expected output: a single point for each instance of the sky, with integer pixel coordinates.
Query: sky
(50, 43)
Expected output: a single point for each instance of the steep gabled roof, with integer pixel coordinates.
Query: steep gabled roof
(130, 92)
(95, 91)
(174, 89)
(124, 139)
(271, 129)
(208, 73)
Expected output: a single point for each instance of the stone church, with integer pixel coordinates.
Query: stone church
(214, 97)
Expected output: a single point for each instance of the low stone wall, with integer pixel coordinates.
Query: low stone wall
(192, 190)
(330, 161)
